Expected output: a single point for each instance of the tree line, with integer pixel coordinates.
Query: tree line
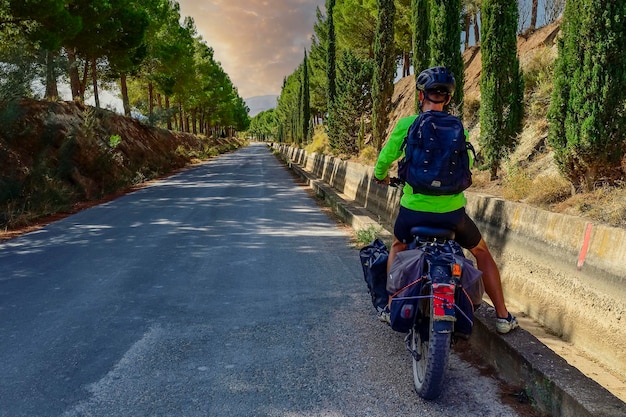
(164, 70)
(358, 46)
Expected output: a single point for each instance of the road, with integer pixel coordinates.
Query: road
(220, 291)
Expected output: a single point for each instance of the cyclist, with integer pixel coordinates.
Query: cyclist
(435, 87)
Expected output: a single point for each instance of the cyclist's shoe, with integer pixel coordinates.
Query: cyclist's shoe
(505, 325)
(384, 315)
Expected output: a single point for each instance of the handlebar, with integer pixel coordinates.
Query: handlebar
(393, 182)
(396, 182)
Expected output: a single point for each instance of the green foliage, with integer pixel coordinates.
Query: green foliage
(353, 101)
(114, 141)
(142, 41)
(264, 126)
(288, 108)
(421, 32)
(501, 83)
(331, 54)
(367, 235)
(384, 70)
(305, 99)
(355, 23)
(443, 43)
(317, 59)
(588, 110)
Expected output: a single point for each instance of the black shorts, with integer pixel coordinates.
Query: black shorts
(467, 234)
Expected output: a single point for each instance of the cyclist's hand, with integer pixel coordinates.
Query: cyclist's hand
(384, 181)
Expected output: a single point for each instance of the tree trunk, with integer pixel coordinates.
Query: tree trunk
(73, 72)
(52, 92)
(476, 30)
(493, 171)
(533, 16)
(406, 66)
(83, 83)
(193, 121)
(181, 126)
(167, 109)
(94, 80)
(124, 89)
(466, 25)
(150, 100)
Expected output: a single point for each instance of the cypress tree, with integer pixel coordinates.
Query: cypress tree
(384, 70)
(331, 52)
(420, 22)
(445, 44)
(354, 78)
(306, 99)
(501, 82)
(588, 110)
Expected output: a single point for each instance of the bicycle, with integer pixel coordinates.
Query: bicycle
(437, 304)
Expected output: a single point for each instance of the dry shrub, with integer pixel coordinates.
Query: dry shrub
(480, 179)
(368, 155)
(549, 189)
(319, 143)
(605, 205)
(539, 81)
(471, 111)
(517, 184)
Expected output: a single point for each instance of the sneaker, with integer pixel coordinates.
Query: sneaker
(504, 326)
(384, 315)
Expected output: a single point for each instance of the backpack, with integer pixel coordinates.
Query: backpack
(436, 160)
(374, 262)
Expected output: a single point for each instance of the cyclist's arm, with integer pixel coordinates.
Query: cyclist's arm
(393, 148)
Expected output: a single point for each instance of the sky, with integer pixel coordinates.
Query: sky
(258, 42)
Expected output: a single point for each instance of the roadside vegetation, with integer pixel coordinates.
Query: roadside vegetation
(56, 154)
(557, 140)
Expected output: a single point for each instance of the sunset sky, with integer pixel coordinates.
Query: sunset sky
(258, 42)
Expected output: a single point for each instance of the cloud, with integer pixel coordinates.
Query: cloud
(258, 42)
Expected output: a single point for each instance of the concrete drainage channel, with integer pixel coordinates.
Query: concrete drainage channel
(554, 387)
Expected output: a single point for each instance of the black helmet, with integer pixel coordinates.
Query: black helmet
(438, 80)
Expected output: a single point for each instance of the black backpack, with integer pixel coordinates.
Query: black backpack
(436, 161)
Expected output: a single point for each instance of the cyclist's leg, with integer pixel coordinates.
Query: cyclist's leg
(468, 236)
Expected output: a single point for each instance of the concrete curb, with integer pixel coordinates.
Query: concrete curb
(554, 387)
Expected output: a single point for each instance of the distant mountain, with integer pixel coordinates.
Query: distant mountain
(258, 104)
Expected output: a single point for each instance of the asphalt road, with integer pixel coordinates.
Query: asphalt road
(220, 291)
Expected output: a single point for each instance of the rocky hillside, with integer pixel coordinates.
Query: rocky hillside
(56, 154)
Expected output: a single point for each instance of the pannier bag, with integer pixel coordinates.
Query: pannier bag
(374, 262)
(406, 283)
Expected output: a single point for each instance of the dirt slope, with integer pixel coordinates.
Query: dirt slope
(404, 93)
(54, 155)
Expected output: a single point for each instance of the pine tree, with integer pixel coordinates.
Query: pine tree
(384, 70)
(445, 44)
(501, 83)
(588, 111)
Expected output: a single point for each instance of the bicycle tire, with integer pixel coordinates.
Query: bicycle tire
(429, 371)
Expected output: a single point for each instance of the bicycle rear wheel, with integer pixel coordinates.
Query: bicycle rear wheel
(433, 350)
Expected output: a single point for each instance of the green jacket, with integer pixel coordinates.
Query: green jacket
(413, 201)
